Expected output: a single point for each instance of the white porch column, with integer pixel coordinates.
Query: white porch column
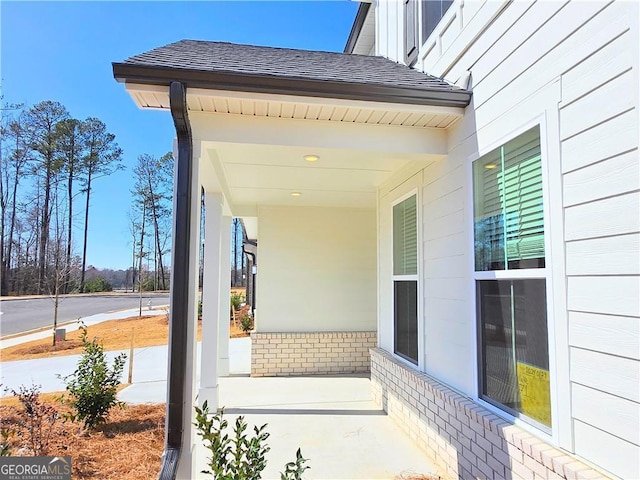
(210, 301)
(225, 301)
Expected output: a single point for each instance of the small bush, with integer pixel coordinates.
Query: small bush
(97, 284)
(294, 470)
(236, 300)
(246, 323)
(93, 385)
(36, 421)
(241, 457)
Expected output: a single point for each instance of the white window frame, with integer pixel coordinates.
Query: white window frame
(558, 428)
(417, 277)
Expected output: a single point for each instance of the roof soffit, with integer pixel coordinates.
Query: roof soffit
(299, 107)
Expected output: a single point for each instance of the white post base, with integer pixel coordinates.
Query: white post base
(211, 395)
(223, 367)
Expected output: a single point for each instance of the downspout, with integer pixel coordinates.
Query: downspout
(252, 245)
(180, 281)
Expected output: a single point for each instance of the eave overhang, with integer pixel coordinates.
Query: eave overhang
(281, 85)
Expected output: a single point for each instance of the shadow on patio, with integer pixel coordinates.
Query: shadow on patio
(331, 418)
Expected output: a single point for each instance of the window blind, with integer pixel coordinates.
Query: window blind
(405, 237)
(509, 222)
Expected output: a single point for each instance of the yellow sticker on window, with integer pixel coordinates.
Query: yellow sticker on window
(533, 385)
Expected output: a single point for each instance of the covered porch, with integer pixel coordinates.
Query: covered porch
(300, 159)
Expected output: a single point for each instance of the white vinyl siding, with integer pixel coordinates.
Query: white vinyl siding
(599, 129)
(575, 65)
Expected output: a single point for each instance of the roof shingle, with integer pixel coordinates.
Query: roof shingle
(240, 59)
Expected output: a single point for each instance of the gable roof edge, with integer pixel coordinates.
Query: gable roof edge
(356, 28)
(273, 84)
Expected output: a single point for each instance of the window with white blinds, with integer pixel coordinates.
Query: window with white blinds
(512, 309)
(405, 279)
(405, 237)
(508, 213)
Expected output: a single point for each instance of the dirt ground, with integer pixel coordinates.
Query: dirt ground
(113, 334)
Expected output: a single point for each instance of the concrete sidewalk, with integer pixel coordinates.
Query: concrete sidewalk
(70, 327)
(149, 377)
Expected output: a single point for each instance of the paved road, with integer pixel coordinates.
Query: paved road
(22, 315)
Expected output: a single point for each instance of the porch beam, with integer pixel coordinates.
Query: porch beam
(223, 128)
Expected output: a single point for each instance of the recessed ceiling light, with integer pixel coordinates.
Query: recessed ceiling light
(490, 166)
(311, 158)
(295, 194)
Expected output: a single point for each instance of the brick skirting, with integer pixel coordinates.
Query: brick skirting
(312, 353)
(461, 437)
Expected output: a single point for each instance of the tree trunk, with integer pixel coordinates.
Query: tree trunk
(144, 214)
(44, 226)
(69, 227)
(86, 230)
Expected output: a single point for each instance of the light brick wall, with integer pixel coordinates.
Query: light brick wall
(310, 353)
(461, 437)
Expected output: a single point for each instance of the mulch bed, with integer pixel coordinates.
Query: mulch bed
(129, 446)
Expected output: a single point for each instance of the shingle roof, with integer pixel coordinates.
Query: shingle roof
(317, 71)
(286, 62)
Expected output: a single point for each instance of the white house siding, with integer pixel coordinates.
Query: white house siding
(573, 68)
(316, 301)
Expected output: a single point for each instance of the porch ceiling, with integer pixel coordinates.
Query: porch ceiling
(259, 161)
(252, 145)
(267, 175)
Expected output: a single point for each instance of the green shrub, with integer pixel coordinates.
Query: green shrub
(236, 300)
(294, 470)
(241, 457)
(97, 284)
(93, 385)
(246, 323)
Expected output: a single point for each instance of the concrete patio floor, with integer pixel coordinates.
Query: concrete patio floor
(331, 418)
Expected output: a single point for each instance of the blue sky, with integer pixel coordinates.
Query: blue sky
(62, 51)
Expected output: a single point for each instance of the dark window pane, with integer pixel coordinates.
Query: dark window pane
(406, 319)
(514, 346)
(432, 13)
